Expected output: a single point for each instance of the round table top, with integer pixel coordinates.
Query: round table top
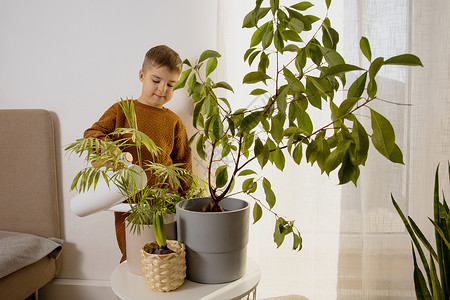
(129, 286)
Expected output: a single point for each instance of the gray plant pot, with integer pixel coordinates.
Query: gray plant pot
(216, 242)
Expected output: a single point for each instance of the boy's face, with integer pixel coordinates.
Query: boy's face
(157, 85)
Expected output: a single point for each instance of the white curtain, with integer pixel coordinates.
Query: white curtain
(375, 260)
(355, 246)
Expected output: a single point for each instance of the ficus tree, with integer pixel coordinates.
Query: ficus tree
(295, 64)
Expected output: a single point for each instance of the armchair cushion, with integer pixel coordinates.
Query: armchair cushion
(18, 250)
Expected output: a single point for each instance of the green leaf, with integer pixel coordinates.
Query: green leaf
(248, 52)
(372, 88)
(282, 228)
(246, 172)
(365, 48)
(422, 237)
(191, 84)
(221, 176)
(200, 147)
(342, 68)
(436, 286)
(346, 106)
(249, 186)
(223, 84)
(211, 65)
(297, 24)
(304, 121)
(250, 20)
(357, 87)
(218, 128)
(313, 94)
(208, 54)
(257, 92)
(270, 195)
(297, 242)
(258, 35)
(264, 62)
(182, 81)
(225, 150)
(296, 15)
(293, 130)
(297, 153)
(187, 62)
(361, 139)
(196, 114)
(396, 155)
(290, 35)
(276, 130)
(262, 153)
(259, 147)
(333, 161)
(304, 5)
(251, 121)
(420, 284)
(413, 238)
(328, 2)
(279, 159)
(332, 57)
(383, 136)
(267, 38)
(278, 234)
(253, 57)
(257, 213)
(375, 66)
(347, 171)
(404, 59)
(254, 77)
(330, 37)
(291, 48)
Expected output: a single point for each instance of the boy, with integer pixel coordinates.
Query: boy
(160, 71)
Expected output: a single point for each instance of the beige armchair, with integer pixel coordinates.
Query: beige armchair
(28, 194)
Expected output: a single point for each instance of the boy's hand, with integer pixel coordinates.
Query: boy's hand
(125, 156)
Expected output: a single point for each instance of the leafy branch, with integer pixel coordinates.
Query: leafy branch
(282, 125)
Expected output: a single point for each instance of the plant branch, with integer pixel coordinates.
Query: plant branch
(236, 169)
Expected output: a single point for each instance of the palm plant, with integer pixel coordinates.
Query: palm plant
(105, 161)
(436, 263)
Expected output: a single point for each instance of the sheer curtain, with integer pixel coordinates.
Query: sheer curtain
(354, 244)
(375, 259)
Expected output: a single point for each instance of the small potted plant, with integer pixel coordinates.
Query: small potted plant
(163, 261)
(297, 69)
(108, 166)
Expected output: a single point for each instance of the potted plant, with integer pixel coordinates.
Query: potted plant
(108, 166)
(436, 262)
(163, 261)
(297, 68)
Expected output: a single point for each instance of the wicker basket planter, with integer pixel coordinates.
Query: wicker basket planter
(164, 273)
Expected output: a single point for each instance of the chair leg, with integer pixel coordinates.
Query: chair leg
(34, 296)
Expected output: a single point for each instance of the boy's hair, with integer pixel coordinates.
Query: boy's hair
(162, 56)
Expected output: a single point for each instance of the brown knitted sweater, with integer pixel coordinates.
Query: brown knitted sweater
(163, 126)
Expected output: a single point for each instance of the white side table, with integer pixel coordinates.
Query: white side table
(129, 286)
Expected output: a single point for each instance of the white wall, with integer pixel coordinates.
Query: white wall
(75, 59)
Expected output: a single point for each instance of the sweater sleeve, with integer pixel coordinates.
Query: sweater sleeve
(105, 125)
(181, 152)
